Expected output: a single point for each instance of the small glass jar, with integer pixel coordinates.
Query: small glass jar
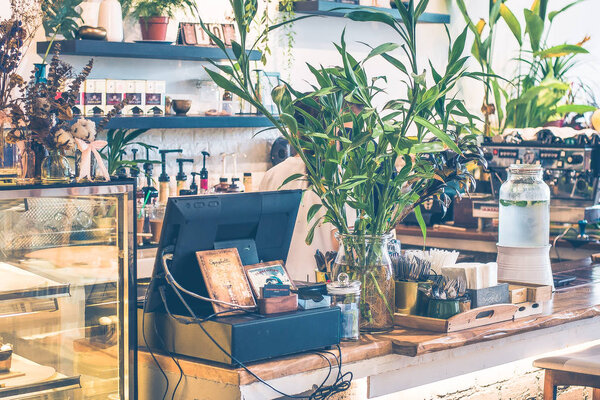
(56, 168)
(345, 294)
(524, 219)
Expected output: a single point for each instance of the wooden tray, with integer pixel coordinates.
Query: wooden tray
(469, 319)
(529, 308)
(529, 292)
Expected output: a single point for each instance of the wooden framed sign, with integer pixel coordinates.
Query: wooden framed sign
(225, 279)
(269, 272)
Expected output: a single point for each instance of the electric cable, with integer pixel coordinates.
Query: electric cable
(341, 383)
(150, 349)
(316, 395)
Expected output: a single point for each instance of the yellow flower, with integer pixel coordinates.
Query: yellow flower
(480, 25)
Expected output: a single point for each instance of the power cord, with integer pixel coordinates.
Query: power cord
(342, 382)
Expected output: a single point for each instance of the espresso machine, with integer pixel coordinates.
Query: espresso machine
(571, 170)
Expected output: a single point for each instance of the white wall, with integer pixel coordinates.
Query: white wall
(313, 44)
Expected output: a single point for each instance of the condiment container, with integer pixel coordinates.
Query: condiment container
(345, 294)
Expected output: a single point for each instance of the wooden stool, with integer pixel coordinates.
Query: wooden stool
(575, 369)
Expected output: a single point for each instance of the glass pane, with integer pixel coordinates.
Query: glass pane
(59, 295)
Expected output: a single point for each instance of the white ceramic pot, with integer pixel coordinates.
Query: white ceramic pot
(525, 265)
(110, 17)
(89, 13)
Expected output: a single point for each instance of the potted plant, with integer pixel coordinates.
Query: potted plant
(154, 16)
(379, 162)
(538, 94)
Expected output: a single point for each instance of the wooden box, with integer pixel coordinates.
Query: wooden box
(498, 294)
(276, 305)
(528, 292)
(469, 319)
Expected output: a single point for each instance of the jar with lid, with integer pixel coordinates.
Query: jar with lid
(524, 219)
(345, 294)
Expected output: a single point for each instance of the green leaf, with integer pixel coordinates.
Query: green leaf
(290, 121)
(312, 211)
(421, 222)
(443, 136)
(554, 14)
(311, 232)
(560, 51)
(512, 22)
(373, 16)
(574, 108)
(226, 84)
(291, 178)
(535, 28)
(381, 49)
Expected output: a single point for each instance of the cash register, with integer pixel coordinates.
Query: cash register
(260, 226)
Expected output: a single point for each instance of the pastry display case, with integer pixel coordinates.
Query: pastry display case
(67, 262)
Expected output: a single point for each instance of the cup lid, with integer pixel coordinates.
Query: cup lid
(343, 285)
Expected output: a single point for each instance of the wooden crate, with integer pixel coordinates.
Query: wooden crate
(469, 319)
(529, 292)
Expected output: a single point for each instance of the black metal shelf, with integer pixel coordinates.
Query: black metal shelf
(185, 122)
(335, 9)
(157, 51)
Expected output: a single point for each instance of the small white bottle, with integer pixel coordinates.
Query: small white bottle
(110, 17)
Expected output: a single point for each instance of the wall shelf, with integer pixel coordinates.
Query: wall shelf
(158, 51)
(185, 122)
(328, 8)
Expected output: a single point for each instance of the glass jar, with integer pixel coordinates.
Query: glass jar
(524, 219)
(345, 294)
(55, 168)
(365, 258)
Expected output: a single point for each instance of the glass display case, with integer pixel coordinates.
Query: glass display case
(67, 291)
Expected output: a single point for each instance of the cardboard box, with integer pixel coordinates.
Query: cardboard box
(154, 100)
(94, 103)
(115, 93)
(134, 93)
(78, 106)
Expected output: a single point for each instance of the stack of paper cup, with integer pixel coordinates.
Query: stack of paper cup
(525, 265)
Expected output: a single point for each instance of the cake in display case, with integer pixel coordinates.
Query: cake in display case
(67, 293)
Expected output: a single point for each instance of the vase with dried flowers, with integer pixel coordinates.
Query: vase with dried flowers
(42, 119)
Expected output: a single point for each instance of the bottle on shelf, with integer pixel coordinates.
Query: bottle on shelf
(164, 179)
(222, 187)
(236, 186)
(204, 174)
(181, 177)
(248, 182)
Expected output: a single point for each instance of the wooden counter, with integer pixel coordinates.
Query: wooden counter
(383, 354)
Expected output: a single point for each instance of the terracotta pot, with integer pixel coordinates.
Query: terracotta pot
(154, 28)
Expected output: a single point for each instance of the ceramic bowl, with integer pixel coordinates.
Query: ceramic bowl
(181, 107)
(91, 33)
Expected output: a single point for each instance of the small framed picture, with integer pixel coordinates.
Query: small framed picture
(270, 272)
(225, 279)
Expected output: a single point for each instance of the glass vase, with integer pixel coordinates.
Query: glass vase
(366, 259)
(524, 219)
(55, 168)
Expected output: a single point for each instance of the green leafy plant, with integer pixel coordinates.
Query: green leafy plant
(117, 142)
(158, 8)
(61, 17)
(381, 162)
(539, 91)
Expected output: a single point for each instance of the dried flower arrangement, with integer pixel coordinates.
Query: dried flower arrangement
(44, 111)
